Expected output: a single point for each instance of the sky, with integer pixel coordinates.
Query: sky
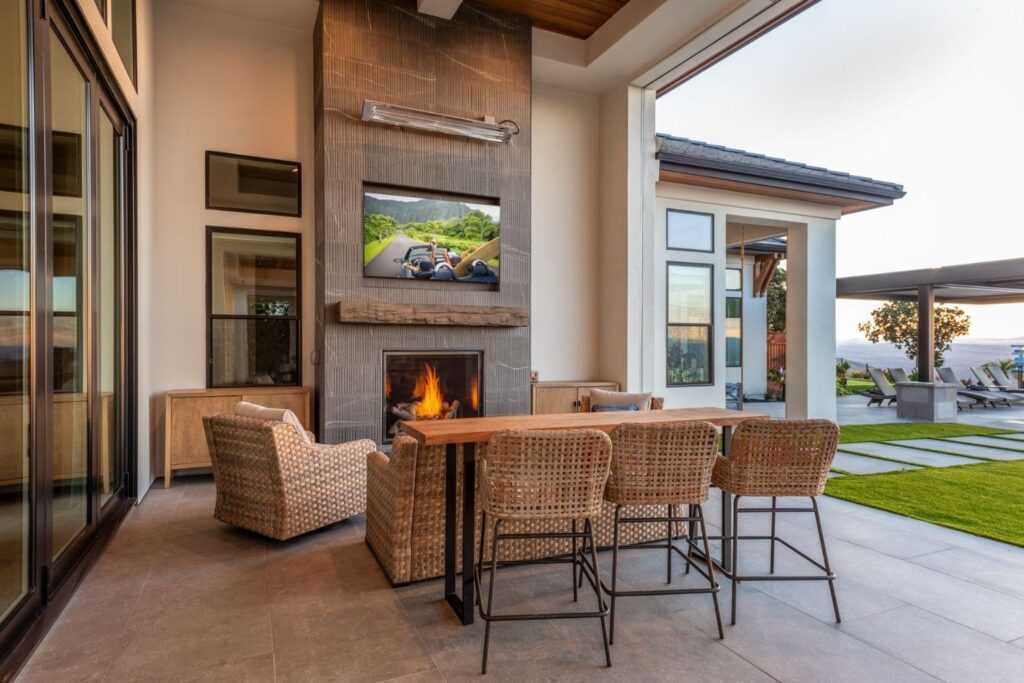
(925, 93)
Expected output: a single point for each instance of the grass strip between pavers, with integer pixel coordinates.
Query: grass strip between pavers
(984, 445)
(898, 431)
(982, 499)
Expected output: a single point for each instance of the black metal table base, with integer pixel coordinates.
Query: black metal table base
(461, 604)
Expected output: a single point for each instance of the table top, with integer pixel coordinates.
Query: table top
(480, 429)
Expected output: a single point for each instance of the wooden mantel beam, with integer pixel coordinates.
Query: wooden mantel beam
(378, 313)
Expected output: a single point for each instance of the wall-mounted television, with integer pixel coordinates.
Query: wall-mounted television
(413, 235)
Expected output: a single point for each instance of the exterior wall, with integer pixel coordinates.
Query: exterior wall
(228, 84)
(811, 223)
(564, 255)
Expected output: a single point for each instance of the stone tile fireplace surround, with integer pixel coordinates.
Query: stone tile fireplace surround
(475, 65)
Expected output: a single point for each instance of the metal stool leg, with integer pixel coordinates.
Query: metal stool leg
(597, 592)
(824, 557)
(615, 572)
(478, 574)
(771, 568)
(735, 555)
(575, 566)
(668, 545)
(711, 570)
(691, 531)
(490, 594)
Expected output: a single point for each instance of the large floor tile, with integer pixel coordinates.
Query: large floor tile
(861, 464)
(912, 455)
(942, 648)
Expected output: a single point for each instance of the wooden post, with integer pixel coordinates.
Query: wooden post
(926, 333)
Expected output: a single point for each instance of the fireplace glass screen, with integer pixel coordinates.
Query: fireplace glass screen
(430, 386)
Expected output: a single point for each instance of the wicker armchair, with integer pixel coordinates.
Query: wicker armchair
(778, 458)
(270, 481)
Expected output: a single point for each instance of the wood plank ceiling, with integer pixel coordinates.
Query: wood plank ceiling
(576, 18)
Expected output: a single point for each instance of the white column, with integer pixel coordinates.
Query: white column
(811, 321)
(627, 182)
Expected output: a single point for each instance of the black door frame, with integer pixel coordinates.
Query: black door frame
(51, 584)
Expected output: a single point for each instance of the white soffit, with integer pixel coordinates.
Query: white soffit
(438, 8)
(653, 43)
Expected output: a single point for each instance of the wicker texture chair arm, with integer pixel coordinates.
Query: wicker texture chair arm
(389, 507)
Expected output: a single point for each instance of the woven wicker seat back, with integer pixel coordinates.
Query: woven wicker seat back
(778, 458)
(545, 474)
(662, 463)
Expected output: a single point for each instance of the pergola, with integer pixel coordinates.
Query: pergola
(992, 282)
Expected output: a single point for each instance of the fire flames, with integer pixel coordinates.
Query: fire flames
(474, 395)
(428, 388)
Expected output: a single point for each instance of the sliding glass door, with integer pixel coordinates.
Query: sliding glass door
(66, 332)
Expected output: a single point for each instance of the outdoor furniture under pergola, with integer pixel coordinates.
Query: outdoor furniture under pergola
(992, 282)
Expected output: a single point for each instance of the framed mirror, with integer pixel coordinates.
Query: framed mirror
(253, 184)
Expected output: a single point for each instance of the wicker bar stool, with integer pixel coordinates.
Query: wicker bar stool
(777, 458)
(542, 475)
(663, 464)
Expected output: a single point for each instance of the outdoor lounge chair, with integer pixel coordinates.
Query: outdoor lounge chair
(1003, 382)
(899, 375)
(992, 398)
(883, 391)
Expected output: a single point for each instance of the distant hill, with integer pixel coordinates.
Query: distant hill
(417, 211)
(961, 356)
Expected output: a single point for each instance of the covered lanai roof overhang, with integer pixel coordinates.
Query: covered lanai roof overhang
(992, 282)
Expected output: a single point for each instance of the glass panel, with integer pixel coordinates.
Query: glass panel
(691, 231)
(122, 28)
(69, 105)
(689, 355)
(239, 183)
(109, 457)
(14, 307)
(733, 279)
(689, 294)
(252, 274)
(733, 332)
(253, 352)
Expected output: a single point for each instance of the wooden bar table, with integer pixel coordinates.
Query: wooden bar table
(470, 431)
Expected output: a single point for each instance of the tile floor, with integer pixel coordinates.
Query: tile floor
(179, 596)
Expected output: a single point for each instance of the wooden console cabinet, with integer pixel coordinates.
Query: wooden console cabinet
(563, 397)
(184, 409)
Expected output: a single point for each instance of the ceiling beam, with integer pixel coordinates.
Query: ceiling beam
(445, 9)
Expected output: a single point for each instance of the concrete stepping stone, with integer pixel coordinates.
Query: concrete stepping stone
(990, 441)
(861, 464)
(968, 449)
(925, 458)
(1015, 436)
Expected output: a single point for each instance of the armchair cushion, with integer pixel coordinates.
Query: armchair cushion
(246, 409)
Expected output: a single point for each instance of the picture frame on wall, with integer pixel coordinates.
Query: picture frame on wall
(249, 184)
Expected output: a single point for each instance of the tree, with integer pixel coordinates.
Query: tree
(777, 301)
(896, 323)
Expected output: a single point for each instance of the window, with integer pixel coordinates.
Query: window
(733, 332)
(690, 230)
(122, 29)
(254, 299)
(101, 5)
(253, 185)
(688, 347)
(733, 280)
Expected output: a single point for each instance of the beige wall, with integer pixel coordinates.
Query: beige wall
(564, 248)
(229, 84)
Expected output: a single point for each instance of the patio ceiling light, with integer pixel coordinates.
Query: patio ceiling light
(406, 117)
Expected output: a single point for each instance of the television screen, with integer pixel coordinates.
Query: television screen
(425, 238)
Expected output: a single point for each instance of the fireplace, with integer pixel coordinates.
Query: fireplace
(430, 385)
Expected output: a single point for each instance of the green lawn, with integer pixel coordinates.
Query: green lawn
(984, 500)
(912, 430)
(371, 250)
(857, 385)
